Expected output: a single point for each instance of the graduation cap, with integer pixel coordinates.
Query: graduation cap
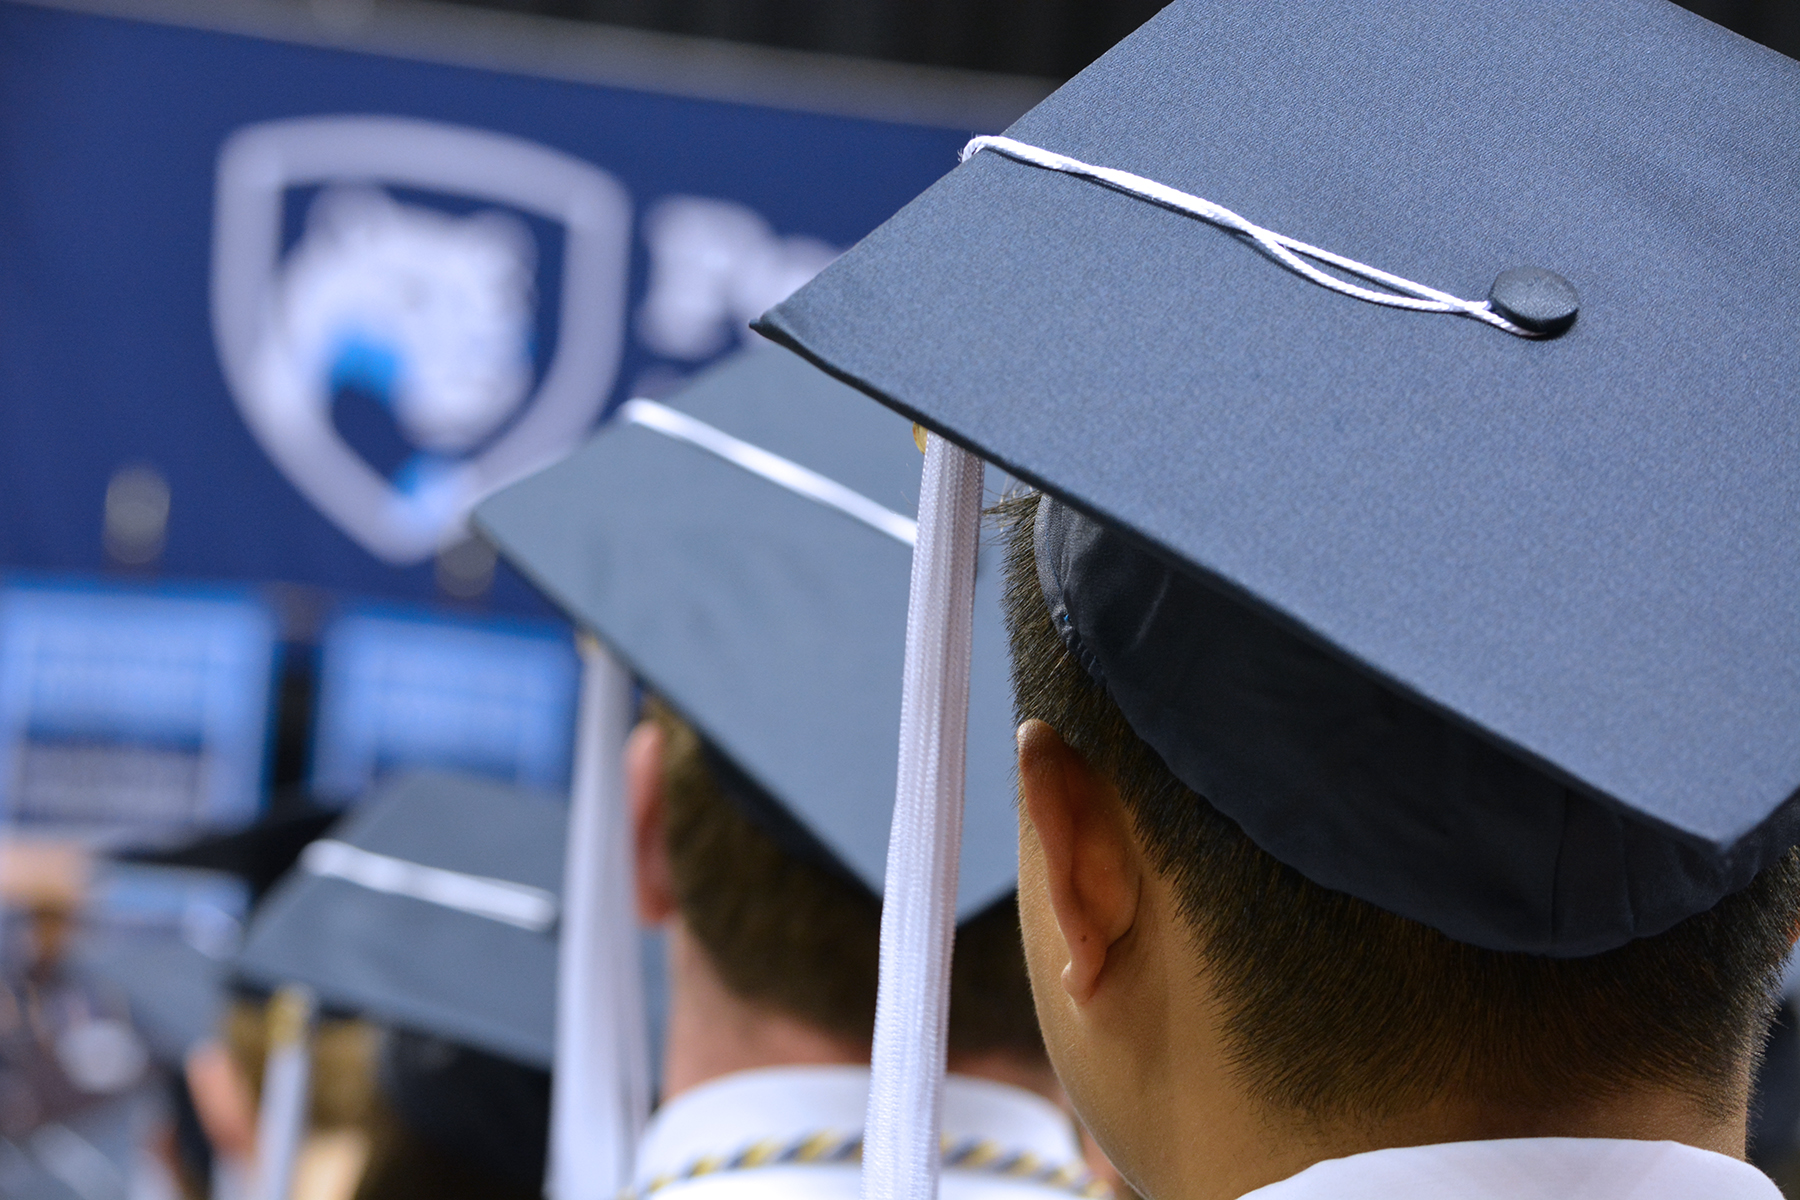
(433, 906)
(1438, 362)
(746, 548)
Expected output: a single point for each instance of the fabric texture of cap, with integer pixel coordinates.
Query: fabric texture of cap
(1580, 550)
(773, 621)
(432, 906)
(1299, 748)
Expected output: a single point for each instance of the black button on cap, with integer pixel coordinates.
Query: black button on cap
(1535, 299)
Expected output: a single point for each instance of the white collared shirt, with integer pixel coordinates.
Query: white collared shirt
(787, 1104)
(1529, 1169)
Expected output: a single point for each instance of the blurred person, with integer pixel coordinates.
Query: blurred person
(745, 548)
(772, 963)
(443, 1090)
(342, 1107)
(218, 1052)
(455, 1123)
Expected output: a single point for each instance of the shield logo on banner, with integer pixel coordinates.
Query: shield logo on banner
(431, 309)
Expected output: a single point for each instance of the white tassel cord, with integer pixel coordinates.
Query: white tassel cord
(918, 914)
(286, 1092)
(1285, 250)
(600, 1089)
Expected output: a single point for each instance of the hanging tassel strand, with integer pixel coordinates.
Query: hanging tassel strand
(918, 915)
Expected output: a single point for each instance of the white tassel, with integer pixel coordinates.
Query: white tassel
(918, 915)
(286, 1092)
(600, 1097)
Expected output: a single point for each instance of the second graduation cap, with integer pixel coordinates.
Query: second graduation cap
(1513, 614)
(746, 549)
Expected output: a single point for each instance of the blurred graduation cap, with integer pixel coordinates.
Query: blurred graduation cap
(434, 907)
(1411, 388)
(746, 549)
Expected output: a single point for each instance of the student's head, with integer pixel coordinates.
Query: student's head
(787, 929)
(1144, 907)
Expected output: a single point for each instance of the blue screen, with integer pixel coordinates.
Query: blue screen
(127, 709)
(399, 690)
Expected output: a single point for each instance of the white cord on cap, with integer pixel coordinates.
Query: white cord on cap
(529, 908)
(802, 481)
(600, 1086)
(1284, 249)
(901, 1153)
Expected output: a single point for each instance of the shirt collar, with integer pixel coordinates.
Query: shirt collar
(725, 1115)
(1529, 1169)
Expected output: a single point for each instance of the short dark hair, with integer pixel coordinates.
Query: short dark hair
(1337, 1008)
(788, 931)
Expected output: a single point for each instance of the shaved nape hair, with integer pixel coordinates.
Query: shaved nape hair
(1338, 1010)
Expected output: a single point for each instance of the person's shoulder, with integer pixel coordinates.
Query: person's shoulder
(974, 1185)
(800, 1182)
(843, 1182)
(1504, 1168)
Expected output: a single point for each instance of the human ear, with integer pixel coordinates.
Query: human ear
(1092, 874)
(653, 884)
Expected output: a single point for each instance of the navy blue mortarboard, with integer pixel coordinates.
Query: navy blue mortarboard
(745, 548)
(433, 906)
(1482, 613)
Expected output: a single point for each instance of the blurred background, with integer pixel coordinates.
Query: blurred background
(285, 287)
(1049, 38)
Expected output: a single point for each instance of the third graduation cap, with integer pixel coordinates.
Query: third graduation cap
(1412, 385)
(432, 873)
(746, 549)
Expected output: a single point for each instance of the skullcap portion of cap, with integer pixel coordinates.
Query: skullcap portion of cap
(1358, 786)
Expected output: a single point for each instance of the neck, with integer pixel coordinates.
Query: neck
(1219, 1142)
(713, 1032)
(1147, 1058)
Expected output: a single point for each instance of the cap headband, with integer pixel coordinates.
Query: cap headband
(1362, 788)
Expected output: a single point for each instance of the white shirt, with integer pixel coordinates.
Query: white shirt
(1529, 1169)
(787, 1104)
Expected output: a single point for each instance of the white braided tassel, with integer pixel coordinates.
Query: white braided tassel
(918, 917)
(600, 1089)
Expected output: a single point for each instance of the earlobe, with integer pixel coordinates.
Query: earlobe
(1091, 870)
(653, 885)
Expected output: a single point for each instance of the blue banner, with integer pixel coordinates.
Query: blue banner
(132, 711)
(272, 311)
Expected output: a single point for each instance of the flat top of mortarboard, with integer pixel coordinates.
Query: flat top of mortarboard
(1584, 547)
(432, 906)
(774, 621)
